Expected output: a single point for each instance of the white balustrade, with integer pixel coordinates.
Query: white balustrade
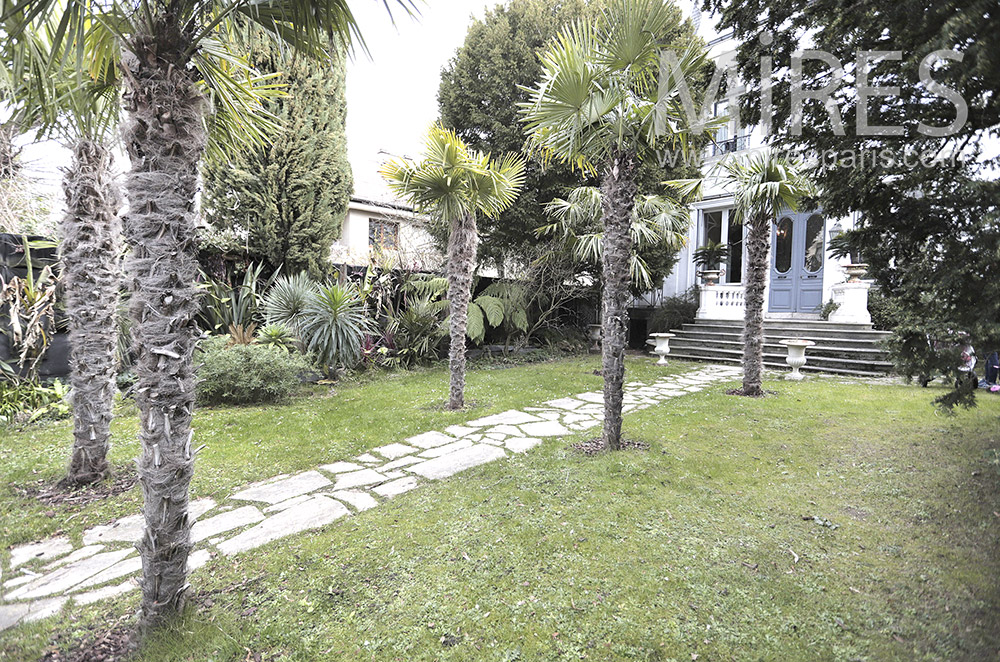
(721, 302)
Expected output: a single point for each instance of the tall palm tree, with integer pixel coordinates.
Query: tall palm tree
(655, 220)
(81, 110)
(763, 185)
(177, 68)
(600, 107)
(457, 183)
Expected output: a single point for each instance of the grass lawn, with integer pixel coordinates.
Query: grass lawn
(696, 549)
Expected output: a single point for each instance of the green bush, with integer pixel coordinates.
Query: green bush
(246, 374)
(674, 312)
(885, 312)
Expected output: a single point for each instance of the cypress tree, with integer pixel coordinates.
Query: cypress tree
(291, 196)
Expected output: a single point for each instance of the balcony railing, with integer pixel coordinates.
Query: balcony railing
(723, 147)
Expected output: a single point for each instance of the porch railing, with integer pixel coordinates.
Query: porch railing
(721, 302)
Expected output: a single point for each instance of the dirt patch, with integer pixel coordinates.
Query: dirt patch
(739, 391)
(856, 513)
(443, 406)
(596, 446)
(107, 646)
(56, 495)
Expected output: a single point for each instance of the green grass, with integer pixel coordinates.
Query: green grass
(696, 547)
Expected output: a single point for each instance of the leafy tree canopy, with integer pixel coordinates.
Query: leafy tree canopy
(478, 97)
(927, 216)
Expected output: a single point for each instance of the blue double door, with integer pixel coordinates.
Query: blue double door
(797, 260)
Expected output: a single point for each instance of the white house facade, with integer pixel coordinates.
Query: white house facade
(376, 230)
(802, 276)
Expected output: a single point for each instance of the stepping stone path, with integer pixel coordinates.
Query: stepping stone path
(41, 577)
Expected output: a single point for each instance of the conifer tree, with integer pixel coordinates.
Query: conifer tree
(291, 196)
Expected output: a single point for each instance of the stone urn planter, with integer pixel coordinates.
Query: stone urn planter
(796, 356)
(855, 272)
(661, 345)
(710, 276)
(594, 333)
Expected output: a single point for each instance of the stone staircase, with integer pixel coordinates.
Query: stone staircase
(845, 349)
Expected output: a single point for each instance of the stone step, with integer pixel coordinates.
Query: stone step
(834, 350)
(736, 336)
(785, 331)
(867, 366)
(774, 365)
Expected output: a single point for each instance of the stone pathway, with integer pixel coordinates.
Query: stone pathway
(42, 577)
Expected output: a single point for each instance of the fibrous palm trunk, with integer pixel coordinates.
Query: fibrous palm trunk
(90, 249)
(618, 191)
(758, 243)
(165, 137)
(461, 266)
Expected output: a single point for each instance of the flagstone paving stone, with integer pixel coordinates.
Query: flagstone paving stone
(316, 512)
(69, 576)
(565, 403)
(390, 490)
(297, 504)
(511, 417)
(545, 429)
(81, 553)
(522, 444)
(44, 550)
(397, 464)
(286, 488)
(447, 448)
(340, 467)
(447, 465)
(227, 521)
(359, 500)
(430, 439)
(358, 478)
(394, 451)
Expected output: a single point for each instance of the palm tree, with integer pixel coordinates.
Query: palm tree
(600, 108)
(81, 111)
(655, 220)
(764, 184)
(176, 67)
(456, 183)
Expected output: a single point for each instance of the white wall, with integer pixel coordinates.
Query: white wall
(416, 247)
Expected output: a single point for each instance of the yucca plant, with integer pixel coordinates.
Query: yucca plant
(242, 335)
(332, 326)
(278, 336)
(287, 299)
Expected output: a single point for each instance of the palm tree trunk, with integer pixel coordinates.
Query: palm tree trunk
(758, 247)
(166, 139)
(90, 248)
(461, 266)
(618, 191)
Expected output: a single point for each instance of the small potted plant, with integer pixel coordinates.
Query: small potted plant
(845, 246)
(708, 257)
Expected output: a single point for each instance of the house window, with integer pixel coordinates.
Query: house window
(382, 233)
(720, 226)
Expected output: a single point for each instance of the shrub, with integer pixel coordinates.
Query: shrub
(333, 325)
(674, 312)
(246, 374)
(885, 312)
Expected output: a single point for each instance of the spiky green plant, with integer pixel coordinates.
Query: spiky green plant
(285, 302)
(332, 326)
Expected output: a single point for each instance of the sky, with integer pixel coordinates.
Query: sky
(392, 93)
